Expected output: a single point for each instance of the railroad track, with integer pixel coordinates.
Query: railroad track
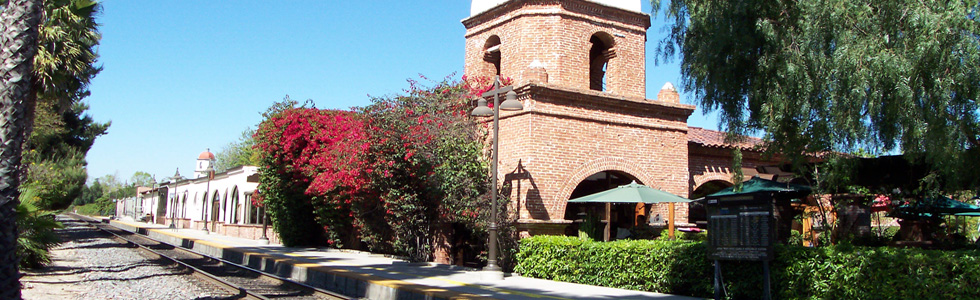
(241, 281)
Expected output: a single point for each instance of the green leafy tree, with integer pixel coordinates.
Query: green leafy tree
(89, 193)
(55, 182)
(838, 75)
(19, 21)
(141, 178)
(97, 197)
(238, 153)
(56, 152)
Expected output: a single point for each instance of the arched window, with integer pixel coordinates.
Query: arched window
(599, 56)
(204, 205)
(183, 206)
(235, 210)
(491, 54)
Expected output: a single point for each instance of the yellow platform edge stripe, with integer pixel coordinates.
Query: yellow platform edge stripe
(391, 283)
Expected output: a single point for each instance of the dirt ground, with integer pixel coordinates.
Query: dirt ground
(56, 281)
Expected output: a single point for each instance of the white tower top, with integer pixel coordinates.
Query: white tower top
(479, 6)
(204, 161)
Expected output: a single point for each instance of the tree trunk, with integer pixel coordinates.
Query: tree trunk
(18, 39)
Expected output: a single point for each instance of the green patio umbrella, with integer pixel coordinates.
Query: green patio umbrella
(635, 193)
(630, 193)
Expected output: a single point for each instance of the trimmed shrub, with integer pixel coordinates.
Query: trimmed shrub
(682, 268)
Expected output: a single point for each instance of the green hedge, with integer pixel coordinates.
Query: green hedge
(682, 268)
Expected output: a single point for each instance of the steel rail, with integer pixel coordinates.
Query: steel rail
(243, 293)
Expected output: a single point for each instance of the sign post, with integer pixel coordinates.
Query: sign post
(740, 228)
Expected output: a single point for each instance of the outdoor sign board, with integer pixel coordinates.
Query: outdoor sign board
(740, 227)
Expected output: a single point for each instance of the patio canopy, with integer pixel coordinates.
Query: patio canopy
(939, 206)
(971, 214)
(759, 185)
(630, 193)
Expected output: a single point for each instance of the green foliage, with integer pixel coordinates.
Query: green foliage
(90, 193)
(65, 61)
(238, 153)
(62, 133)
(36, 235)
(65, 133)
(55, 155)
(291, 211)
(55, 182)
(675, 267)
(838, 75)
(98, 197)
(143, 179)
(99, 208)
(682, 267)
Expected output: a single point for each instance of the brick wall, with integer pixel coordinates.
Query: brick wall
(563, 135)
(556, 34)
(715, 163)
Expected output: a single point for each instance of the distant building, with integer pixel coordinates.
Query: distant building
(225, 200)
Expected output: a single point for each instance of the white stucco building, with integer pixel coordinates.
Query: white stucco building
(224, 200)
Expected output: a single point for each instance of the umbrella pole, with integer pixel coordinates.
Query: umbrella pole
(670, 223)
(607, 232)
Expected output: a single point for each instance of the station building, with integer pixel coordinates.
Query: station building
(579, 68)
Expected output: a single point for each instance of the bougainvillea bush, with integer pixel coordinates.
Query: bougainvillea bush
(309, 158)
(385, 177)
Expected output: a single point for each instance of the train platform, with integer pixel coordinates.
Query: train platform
(371, 276)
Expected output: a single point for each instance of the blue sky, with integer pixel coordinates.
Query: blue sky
(183, 76)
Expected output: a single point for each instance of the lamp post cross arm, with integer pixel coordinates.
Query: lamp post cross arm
(498, 91)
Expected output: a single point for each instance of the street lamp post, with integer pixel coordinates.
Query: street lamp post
(204, 206)
(265, 238)
(492, 269)
(173, 214)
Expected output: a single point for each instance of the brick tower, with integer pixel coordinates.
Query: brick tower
(579, 68)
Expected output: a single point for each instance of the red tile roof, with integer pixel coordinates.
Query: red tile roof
(716, 139)
(206, 155)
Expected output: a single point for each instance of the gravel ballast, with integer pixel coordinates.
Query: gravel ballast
(91, 265)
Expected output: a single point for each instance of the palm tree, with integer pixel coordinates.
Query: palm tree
(18, 41)
(65, 61)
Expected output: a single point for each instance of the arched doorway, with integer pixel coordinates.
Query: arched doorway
(696, 212)
(610, 216)
(215, 210)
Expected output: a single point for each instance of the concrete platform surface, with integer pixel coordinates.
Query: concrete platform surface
(371, 276)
